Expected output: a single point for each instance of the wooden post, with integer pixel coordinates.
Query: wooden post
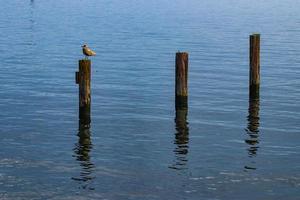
(254, 73)
(181, 80)
(83, 78)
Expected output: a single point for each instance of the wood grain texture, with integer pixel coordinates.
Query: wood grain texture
(181, 79)
(84, 81)
(254, 67)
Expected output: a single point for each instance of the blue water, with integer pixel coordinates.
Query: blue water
(228, 147)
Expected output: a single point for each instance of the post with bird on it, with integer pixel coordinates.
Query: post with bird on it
(254, 66)
(83, 79)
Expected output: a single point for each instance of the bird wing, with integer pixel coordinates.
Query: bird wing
(88, 52)
(93, 52)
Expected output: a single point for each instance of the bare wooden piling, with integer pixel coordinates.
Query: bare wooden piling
(181, 80)
(83, 79)
(254, 72)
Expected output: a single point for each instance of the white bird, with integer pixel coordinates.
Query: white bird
(87, 51)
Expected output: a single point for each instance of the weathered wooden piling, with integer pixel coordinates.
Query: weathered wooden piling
(83, 79)
(254, 72)
(181, 80)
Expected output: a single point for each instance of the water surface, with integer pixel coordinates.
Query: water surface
(137, 146)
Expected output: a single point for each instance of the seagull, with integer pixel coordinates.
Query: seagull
(87, 51)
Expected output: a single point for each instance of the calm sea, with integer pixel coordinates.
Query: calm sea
(226, 148)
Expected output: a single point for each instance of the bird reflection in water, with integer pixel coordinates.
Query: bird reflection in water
(181, 139)
(82, 153)
(252, 130)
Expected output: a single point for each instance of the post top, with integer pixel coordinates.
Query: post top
(255, 34)
(85, 61)
(178, 52)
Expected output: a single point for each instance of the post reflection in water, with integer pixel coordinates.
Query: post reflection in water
(252, 130)
(82, 153)
(181, 139)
